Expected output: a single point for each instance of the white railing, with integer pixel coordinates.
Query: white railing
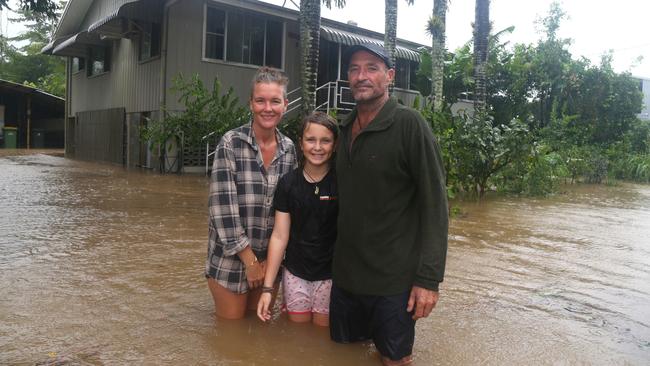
(207, 151)
(328, 87)
(294, 103)
(338, 97)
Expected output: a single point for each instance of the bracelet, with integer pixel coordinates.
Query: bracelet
(267, 289)
(253, 262)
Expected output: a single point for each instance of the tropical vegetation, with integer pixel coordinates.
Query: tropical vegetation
(208, 111)
(543, 118)
(21, 60)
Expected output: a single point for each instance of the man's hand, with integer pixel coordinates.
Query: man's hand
(423, 300)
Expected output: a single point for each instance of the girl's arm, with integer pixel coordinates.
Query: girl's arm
(277, 246)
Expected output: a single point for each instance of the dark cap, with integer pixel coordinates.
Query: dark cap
(375, 49)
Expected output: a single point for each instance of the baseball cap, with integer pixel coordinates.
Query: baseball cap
(375, 49)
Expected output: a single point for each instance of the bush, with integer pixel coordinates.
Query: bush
(539, 174)
(205, 112)
(597, 165)
(635, 168)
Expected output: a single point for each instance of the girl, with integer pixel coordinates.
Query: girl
(248, 163)
(305, 227)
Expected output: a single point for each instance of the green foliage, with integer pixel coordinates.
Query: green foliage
(476, 148)
(206, 111)
(47, 8)
(577, 161)
(597, 165)
(628, 166)
(290, 127)
(580, 118)
(638, 168)
(423, 74)
(543, 169)
(26, 64)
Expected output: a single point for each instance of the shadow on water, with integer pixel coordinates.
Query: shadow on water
(99, 265)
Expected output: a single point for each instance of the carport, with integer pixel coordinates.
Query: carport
(29, 117)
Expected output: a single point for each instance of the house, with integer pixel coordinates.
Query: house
(124, 54)
(29, 117)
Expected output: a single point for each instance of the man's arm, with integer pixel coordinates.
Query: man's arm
(429, 175)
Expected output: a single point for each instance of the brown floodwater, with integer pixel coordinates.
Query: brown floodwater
(100, 265)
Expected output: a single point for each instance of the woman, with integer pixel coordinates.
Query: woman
(248, 163)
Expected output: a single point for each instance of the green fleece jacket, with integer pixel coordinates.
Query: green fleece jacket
(392, 225)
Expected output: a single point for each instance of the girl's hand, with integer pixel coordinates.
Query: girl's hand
(255, 274)
(263, 307)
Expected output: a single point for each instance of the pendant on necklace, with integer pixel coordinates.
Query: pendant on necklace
(316, 190)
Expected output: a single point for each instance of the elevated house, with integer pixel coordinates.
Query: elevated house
(124, 54)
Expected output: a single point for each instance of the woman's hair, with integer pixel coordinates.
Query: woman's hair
(267, 74)
(320, 118)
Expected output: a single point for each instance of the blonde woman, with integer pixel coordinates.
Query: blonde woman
(249, 161)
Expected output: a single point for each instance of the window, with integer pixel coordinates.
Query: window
(243, 38)
(149, 40)
(78, 64)
(98, 60)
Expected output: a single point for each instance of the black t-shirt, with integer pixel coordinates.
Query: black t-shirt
(313, 223)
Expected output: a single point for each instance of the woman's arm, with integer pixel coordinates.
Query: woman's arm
(277, 246)
(224, 202)
(224, 213)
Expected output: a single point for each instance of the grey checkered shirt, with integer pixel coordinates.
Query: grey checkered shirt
(240, 204)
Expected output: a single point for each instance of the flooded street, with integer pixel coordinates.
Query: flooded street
(99, 265)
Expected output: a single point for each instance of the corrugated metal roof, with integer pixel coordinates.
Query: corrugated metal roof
(146, 10)
(76, 45)
(24, 89)
(351, 39)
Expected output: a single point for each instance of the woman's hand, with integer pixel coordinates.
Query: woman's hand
(263, 307)
(255, 274)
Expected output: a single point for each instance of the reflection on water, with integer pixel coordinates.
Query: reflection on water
(99, 265)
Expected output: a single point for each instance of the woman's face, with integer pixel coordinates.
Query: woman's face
(317, 144)
(268, 104)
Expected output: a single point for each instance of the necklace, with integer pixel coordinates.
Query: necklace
(314, 181)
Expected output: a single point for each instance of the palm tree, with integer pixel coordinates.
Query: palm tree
(309, 46)
(481, 32)
(390, 30)
(436, 28)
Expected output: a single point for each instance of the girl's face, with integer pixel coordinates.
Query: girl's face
(268, 105)
(317, 144)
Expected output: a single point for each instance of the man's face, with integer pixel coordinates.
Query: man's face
(369, 77)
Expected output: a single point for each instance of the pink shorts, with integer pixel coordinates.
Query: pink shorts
(302, 296)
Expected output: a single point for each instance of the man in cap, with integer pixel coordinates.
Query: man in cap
(390, 252)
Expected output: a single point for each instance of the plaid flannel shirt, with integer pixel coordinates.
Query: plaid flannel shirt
(240, 204)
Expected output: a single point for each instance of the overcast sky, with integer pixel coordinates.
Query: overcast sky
(595, 26)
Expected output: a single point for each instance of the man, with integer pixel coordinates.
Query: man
(390, 252)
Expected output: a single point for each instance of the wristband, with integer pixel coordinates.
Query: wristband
(267, 289)
(253, 262)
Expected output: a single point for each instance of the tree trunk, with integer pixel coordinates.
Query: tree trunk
(439, 25)
(390, 33)
(481, 32)
(309, 47)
